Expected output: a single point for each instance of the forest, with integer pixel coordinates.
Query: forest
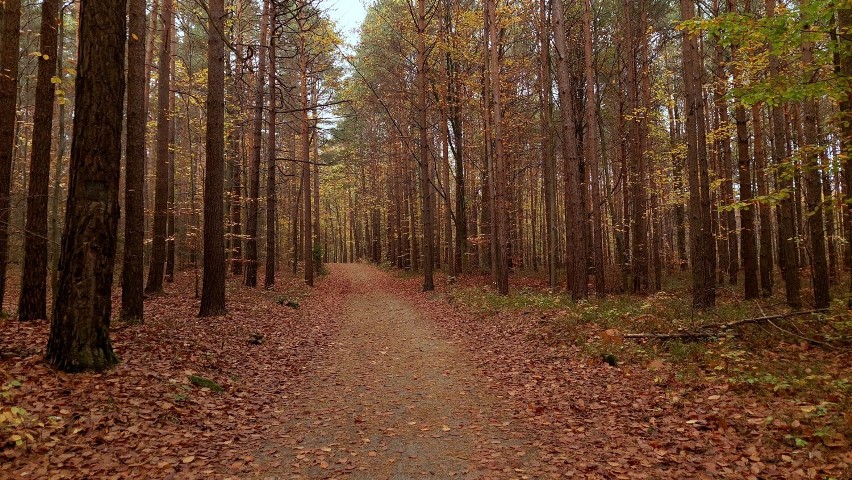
(468, 239)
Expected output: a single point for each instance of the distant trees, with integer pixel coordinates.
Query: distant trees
(591, 138)
(650, 119)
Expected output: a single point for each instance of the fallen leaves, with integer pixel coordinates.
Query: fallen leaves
(146, 418)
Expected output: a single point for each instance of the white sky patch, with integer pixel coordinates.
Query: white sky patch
(349, 14)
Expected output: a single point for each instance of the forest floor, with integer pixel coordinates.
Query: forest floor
(365, 377)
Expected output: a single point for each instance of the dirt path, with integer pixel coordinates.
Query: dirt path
(393, 398)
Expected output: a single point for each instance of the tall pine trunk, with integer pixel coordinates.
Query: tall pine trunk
(271, 218)
(79, 334)
(134, 208)
(424, 159)
(33, 300)
(547, 161)
(161, 183)
(254, 166)
(9, 60)
(811, 168)
(213, 284)
(786, 227)
(702, 246)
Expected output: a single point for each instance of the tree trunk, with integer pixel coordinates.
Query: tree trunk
(423, 153)
(134, 208)
(9, 59)
(161, 190)
(171, 237)
(764, 209)
(548, 168)
(33, 299)
(59, 166)
(591, 144)
(811, 168)
(577, 270)
(305, 151)
(786, 227)
(844, 26)
(257, 141)
(499, 217)
(271, 222)
(702, 247)
(213, 285)
(747, 235)
(79, 335)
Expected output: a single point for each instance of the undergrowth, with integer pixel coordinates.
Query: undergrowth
(804, 360)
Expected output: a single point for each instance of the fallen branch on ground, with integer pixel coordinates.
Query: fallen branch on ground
(714, 329)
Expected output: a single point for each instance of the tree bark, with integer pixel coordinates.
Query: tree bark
(423, 154)
(134, 208)
(254, 167)
(811, 168)
(79, 335)
(747, 232)
(844, 27)
(764, 209)
(213, 285)
(577, 266)
(500, 185)
(305, 150)
(33, 299)
(9, 61)
(702, 247)
(591, 144)
(547, 161)
(154, 283)
(786, 227)
(271, 199)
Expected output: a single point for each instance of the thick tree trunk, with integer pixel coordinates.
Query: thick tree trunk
(33, 299)
(161, 190)
(134, 208)
(213, 285)
(79, 335)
